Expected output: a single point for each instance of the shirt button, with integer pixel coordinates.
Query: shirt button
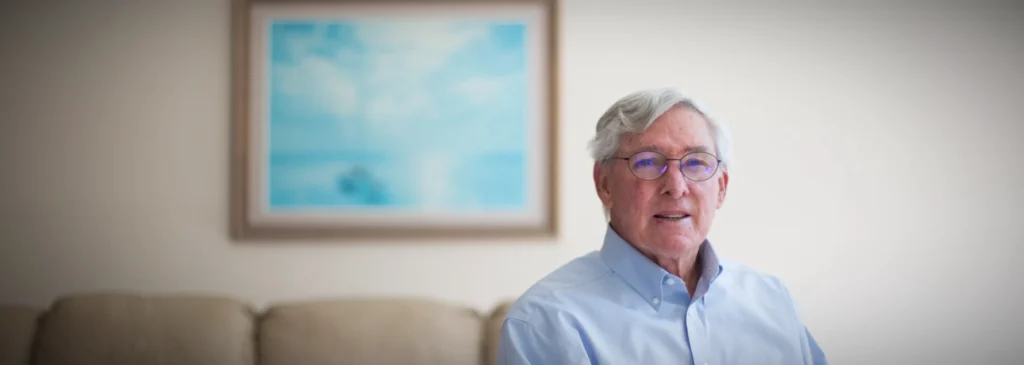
(655, 300)
(669, 281)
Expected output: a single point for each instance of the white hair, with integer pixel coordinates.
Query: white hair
(634, 113)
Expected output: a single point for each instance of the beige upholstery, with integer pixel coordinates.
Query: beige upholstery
(17, 327)
(130, 328)
(371, 332)
(494, 330)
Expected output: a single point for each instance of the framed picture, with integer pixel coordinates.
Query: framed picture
(394, 118)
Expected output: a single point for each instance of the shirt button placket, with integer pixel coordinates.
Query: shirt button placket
(695, 331)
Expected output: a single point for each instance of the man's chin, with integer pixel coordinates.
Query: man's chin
(673, 234)
(673, 246)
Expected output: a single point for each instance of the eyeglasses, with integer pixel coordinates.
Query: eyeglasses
(696, 166)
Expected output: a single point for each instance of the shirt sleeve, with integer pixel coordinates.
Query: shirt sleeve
(813, 354)
(523, 344)
(817, 355)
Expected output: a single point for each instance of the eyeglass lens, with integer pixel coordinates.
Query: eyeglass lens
(696, 166)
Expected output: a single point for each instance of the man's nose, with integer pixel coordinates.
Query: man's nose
(673, 182)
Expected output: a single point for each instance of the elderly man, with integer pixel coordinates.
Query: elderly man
(656, 292)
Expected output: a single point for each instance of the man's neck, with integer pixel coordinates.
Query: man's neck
(687, 267)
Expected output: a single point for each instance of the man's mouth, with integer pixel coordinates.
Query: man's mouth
(674, 216)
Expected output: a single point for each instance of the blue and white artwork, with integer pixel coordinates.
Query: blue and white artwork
(397, 115)
(365, 119)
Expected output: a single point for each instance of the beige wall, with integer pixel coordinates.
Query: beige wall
(878, 164)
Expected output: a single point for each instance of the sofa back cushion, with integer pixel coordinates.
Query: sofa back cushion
(17, 328)
(370, 331)
(494, 323)
(122, 329)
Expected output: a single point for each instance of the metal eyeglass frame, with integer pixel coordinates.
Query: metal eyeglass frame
(718, 163)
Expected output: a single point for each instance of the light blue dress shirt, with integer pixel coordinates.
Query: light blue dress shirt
(615, 306)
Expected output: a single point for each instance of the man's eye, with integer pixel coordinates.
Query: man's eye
(695, 162)
(645, 162)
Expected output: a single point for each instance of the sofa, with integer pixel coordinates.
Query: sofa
(117, 328)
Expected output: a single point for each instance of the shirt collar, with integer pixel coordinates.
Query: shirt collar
(645, 276)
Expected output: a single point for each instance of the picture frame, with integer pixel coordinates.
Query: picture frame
(394, 119)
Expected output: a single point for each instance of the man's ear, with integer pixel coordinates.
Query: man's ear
(601, 184)
(723, 186)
